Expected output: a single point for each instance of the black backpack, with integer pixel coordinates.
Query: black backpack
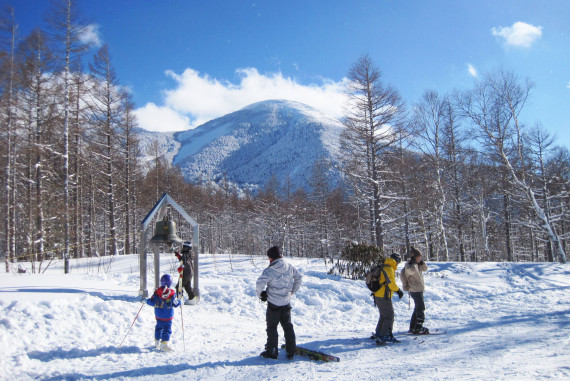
(373, 278)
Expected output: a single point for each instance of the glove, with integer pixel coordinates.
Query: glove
(421, 263)
(400, 294)
(263, 296)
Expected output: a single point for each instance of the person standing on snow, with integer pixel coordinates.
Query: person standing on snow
(282, 281)
(383, 300)
(187, 268)
(164, 301)
(413, 281)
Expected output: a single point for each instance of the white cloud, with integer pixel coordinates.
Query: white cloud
(154, 118)
(472, 70)
(198, 98)
(90, 35)
(520, 34)
(568, 85)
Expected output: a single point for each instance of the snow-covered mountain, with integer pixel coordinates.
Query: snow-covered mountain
(249, 146)
(153, 142)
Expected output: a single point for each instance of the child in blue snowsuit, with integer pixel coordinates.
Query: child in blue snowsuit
(163, 300)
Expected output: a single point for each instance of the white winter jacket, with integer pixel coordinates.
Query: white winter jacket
(412, 277)
(281, 279)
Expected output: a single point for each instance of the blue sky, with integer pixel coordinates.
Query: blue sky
(190, 61)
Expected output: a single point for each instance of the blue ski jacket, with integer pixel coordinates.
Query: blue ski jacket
(163, 300)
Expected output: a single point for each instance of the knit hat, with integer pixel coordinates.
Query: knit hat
(414, 252)
(396, 257)
(274, 252)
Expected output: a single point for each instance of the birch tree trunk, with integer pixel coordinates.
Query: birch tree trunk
(10, 249)
(67, 29)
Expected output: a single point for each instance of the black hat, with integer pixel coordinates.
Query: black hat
(396, 257)
(187, 247)
(274, 252)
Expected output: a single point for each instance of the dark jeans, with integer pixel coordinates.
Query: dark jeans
(163, 330)
(418, 316)
(386, 320)
(274, 316)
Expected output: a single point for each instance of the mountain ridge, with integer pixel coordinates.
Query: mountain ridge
(247, 147)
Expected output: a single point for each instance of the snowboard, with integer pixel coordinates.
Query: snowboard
(434, 332)
(314, 355)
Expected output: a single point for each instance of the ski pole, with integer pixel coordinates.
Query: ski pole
(182, 321)
(142, 305)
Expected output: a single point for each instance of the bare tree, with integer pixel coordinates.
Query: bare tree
(429, 117)
(67, 28)
(37, 86)
(453, 139)
(374, 116)
(494, 106)
(7, 22)
(78, 123)
(129, 144)
(540, 144)
(107, 103)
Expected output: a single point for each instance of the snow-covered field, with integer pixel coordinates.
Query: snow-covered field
(503, 321)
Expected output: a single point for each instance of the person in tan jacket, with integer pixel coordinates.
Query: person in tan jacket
(413, 281)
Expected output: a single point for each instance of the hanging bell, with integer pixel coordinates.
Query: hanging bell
(165, 232)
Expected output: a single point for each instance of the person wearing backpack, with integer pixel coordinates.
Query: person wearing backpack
(282, 281)
(383, 300)
(413, 281)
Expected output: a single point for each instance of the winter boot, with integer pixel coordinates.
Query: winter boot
(270, 353)
(165, 347)
(157, 344)
(422, 331)
(381, 340)
(393, 339)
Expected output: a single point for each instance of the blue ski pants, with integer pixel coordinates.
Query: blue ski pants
(163, 330)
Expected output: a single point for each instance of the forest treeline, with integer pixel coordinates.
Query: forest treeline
(460, 175)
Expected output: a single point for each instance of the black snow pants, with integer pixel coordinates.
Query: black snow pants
(274, 316)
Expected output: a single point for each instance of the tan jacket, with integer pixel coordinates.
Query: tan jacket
(413, 277)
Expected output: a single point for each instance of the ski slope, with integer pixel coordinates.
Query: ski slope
(504, 321)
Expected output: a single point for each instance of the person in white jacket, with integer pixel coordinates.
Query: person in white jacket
(413, 281)
(282, 281)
